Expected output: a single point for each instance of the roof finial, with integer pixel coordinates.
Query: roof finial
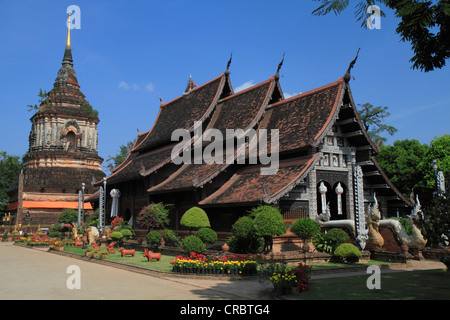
(160, 99)
(227, 71)
(277, 74)
(67, 59)
(69, 22)
(347, 76)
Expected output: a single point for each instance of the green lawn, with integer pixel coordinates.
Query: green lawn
(137, 260)
(409, 285)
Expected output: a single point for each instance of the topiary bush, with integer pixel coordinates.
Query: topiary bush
(153, 238)
(127, 233)
(170, 238)
(195, 217)
(348, 253)
(116, 236)
(268, 222)
(193, 244)
(244, 239)
(305, 228)
(207, 235)
(336, 237)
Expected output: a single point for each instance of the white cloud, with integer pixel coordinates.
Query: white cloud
(244, 86)
(124, 85)
(134, 86)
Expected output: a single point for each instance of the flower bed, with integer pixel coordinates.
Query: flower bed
(228, 265)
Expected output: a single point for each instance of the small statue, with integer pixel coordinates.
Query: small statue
(152, 255)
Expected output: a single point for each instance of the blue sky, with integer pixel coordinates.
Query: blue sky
(128, 53)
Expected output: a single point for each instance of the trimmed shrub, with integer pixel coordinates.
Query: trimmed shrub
(348, 253)
(170, 238)
(195, 217)
(335, 237)
(153, 237)
(244, 239)
(154, 216)
(207, 235)
(305, 228)
(54, 234)
(116, 236)
(127, 233)
(268, 222)
(193, 244)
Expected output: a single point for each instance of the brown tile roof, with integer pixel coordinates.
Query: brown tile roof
(249, 186)
(238, 111)
(302, 120)
(182, 112)
(138, 165)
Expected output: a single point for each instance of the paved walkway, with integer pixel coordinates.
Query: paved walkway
(36, 274)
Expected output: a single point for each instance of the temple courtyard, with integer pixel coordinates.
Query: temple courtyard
(42, 274)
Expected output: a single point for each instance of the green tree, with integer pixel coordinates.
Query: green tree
(69, 216)
(268, 222)
(425, 24)
(10, 167)
(401, 162)
(195, 217)
(373, 120)
(440, 151)
(124, 150)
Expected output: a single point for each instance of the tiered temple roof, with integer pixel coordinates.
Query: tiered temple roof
(302, 121)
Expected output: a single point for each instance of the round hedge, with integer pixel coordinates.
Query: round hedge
(207, 235)
(153, 237)
(193, 244)
(243, 227)
(195, 217)
(268, 221)
(347, 252)
(305, 228)
(127, 233)
(116, 236)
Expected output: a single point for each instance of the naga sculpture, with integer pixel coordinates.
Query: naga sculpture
(375, 241)
(416, 239)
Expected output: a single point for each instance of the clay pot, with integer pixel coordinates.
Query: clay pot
(225, 248)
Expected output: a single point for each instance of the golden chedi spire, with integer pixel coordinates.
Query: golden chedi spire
(69, 22)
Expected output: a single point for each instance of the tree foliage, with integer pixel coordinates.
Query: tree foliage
(401, 161)
(69, 216)
(409, 165)
(373, 120)
(425, 24)
(124, 150)
(10, 167)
